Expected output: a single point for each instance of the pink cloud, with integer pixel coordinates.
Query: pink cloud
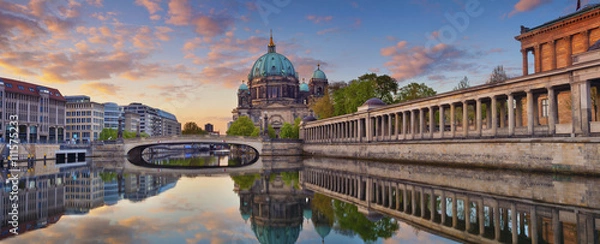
(153, 7)
(95, 3)
(180, 12)
(527, 5)
(318, 19)
(100, 88)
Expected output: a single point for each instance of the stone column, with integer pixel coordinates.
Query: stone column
(525, 62)
(413, 123)
(533, 225)
(481, 217)
(552, 46)
(404, 198)
(586, 107)
(442, 121)
(431, 122)
(454, 212)
(496, 221)
(557, 227)
(569, 50)
(390, 127)
(397, 125)
(443, 196)
(552, 118)
(511, 115)
(530, 111)
(538, 58)
(397, 207)
(494, 125)
(585, 228)
(452, 120)
(432, 202)
(519, 112)
(467, 209)
(513, 222)
(404, 125)
(586, 40)
(421, 123)
(413, 201)
(465, 122)
(478, 118)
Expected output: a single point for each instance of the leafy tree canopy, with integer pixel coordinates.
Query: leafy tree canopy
(414, 91)
(111, 134)
(191, 128)
(243, 126)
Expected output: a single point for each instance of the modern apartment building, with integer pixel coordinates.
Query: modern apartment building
(112, 112)
(153, 121)
(40, 111)
(85, 119)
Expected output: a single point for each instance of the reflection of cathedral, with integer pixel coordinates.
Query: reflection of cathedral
(275, 207)
(274, 91)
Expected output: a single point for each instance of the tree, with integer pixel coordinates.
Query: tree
(498, 75)
(462, 84)
(323, 107)
(289, 131)
(191, 128)
(111, 134)
(414, 91)
(243, 126)
(271, 132)
(385, 88)
(347, 100)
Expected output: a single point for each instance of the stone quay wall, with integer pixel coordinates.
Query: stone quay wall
(560, 155)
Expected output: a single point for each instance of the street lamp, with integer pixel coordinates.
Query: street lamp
(266, 125)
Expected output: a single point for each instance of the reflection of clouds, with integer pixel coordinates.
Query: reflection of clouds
(409, 234)
(173, 203)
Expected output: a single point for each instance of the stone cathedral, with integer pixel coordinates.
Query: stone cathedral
(274, 92)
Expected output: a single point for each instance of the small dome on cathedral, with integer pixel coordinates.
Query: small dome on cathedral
(596, 46)
(319, 74)
(243, 87)
(304, 87)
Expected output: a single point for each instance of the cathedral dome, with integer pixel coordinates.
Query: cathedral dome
(319, 74)
(304, 87)
(243, 87)
(272, 64)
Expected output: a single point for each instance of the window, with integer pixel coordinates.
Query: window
(31, 89)
(21, 87)
(8, 85)
(545, 108)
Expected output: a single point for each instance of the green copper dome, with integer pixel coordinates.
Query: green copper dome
(319, 74)
(272, 64)
(243, 87)
(304, 87)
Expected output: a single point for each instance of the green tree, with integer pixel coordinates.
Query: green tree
(349, 218)
(245, 182)
(191, 128)
(271, 132)
(323, 107)
(385, 88)
(414, 91)
(347, 100)
(243, 126)
(462, 84)
(498, 75)
(111, 134)
(289, 131)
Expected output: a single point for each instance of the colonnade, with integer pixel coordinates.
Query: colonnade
(569, 109)
(478, 217)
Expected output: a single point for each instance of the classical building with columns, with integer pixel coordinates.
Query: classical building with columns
(554, 43)
(274, 91)
(560, 98)
(40, 110)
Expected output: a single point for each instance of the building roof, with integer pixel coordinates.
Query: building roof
(304, 87)
(272, 64)
(25, 88)
(583, 10)
(319, 74)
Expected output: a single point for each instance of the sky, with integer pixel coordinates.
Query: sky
(188, 57)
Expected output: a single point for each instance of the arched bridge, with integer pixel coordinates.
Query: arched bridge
(253, 142)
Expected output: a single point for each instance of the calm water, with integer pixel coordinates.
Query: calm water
(302, 201)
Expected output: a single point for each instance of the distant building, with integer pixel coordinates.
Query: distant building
(40, 110)
(112, 112)
(153, 121)
(84, 191)
(85, 119)
(131, 121)
(208, 127)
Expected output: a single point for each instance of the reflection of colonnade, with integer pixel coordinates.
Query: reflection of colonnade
(471, 216)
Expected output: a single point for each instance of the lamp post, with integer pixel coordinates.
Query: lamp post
(266, 125)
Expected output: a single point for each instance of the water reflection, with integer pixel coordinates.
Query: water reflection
(291, 200)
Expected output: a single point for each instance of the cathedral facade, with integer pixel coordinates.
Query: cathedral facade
(273, 92)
